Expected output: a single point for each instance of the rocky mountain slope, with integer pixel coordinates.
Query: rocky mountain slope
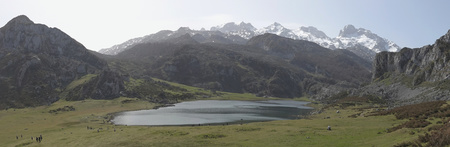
(362, 42)
(268, 65)
(413, 75)
(37, 63)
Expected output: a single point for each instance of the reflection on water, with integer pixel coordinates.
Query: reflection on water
(215, 112)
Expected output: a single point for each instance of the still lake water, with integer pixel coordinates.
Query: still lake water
(215, 112)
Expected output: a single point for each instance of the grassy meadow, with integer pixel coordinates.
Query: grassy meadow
(69, 128)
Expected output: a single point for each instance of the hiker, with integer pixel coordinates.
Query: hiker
(329, 128)
(17, 137)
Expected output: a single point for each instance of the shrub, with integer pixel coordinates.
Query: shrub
(212, 136)
(63, 109)
(414, 123)
(422, 110)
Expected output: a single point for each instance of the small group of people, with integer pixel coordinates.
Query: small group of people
(17, 137)
(38, 139)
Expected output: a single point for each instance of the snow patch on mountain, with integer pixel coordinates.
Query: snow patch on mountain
(114, 50)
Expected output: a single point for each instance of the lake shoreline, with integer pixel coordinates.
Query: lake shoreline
(216, 112)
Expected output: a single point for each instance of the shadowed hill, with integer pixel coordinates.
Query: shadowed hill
(268, 65)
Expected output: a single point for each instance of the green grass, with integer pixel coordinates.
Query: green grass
(80, 81)
(69, 128)
(189, 88)
(76, 83)
(215, 95)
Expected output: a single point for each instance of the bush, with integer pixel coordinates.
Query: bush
(422, 110)
(414, 123)
(63, 109)
(440, 137)
(212, 136)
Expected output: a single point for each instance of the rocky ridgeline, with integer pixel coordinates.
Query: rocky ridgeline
(429, 63)
(412, 75)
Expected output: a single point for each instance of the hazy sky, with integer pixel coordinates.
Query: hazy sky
(102, 23)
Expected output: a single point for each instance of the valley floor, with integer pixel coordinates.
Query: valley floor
(73, 128)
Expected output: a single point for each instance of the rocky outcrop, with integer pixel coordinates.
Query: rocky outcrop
(429, 63)
(412, 75)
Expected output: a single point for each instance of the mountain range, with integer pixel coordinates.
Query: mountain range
(362, 42)
(40, 65)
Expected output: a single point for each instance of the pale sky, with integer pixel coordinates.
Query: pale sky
(103, 23)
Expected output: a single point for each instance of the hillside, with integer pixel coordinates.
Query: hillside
(269, 65)
(40, 65)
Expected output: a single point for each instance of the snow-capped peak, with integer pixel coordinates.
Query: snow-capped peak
(233, 27)
(278, 29)
(350, 36)
(313, 31)
(244, 30)
(275, 28)
(314, 35)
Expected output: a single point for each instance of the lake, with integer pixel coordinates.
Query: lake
(215, 112)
